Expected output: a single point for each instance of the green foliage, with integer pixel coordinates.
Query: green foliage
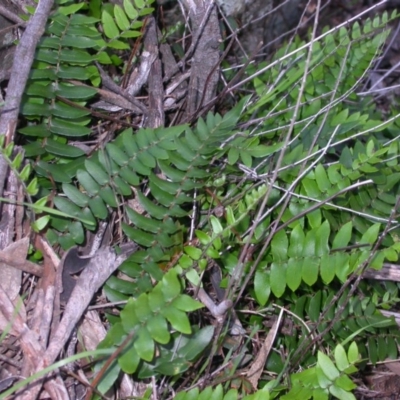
(150, 317)
(57, 92)
(304, 175)
(218, 394)
(327, 377)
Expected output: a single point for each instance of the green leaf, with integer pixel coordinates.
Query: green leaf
(311, 188)
(108, 196)
(36, 109)
(144, 345)
(341, 358)
(139, 3)
(122, 187)
(129, 176)
(61, 149)
(156, 299)
(68, 72)
(323, 380)
(138, 236)
(26, 171)
(341, 394)
(231, 395)
(130, 9)
(158, 329)
(297, 238)
(246, 158)
(197, 343)
(327, 366)
(57, 172)
(76, 230)
(352, 353)
(186, 303)
(67, 206)
(204, 238)
(98, 207)
(117, 154)
(129, 361)
(154, 210)
(75, 195)
(75, 56)
(293, 273)
(68, 112)
(314, 309)
(65, 128)
(177, 318)
(88, 182)
(75, 92)
(320, 394)
(110, 28)
(138, 166)
(343, 236)
(71, 9)
(166, 186)
(145, 223)
(41, 223)
(129, 318)
(328, 269)
(314, 218)
(309, 244)
(16, 162)
(172, 368)
(264, 151)
(108, 379)
(372, 350)
(262, 286)
(162, 197)
(278, 279)
(121, 18)
(82, 42)
(184, 150)
(322, 239)
(340, 118)
(341, 261)
(85, 31)
(279, 246)
(371, 234)
(212, 252)
(345, 383)
(80, 19)
(96, 170)
(121, 285)
(142, 308)
(233, 155)
(40, 90)
(185, 261)
(193, 252)
(39, 130)
(171, 287)
(310, 269)
(216, 225)
(43, 74)
(87, 218)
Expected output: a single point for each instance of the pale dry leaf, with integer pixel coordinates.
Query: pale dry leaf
(11, 277)
(256, 369)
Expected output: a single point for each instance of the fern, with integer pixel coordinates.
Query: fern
(57, 96)
(298, 171)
